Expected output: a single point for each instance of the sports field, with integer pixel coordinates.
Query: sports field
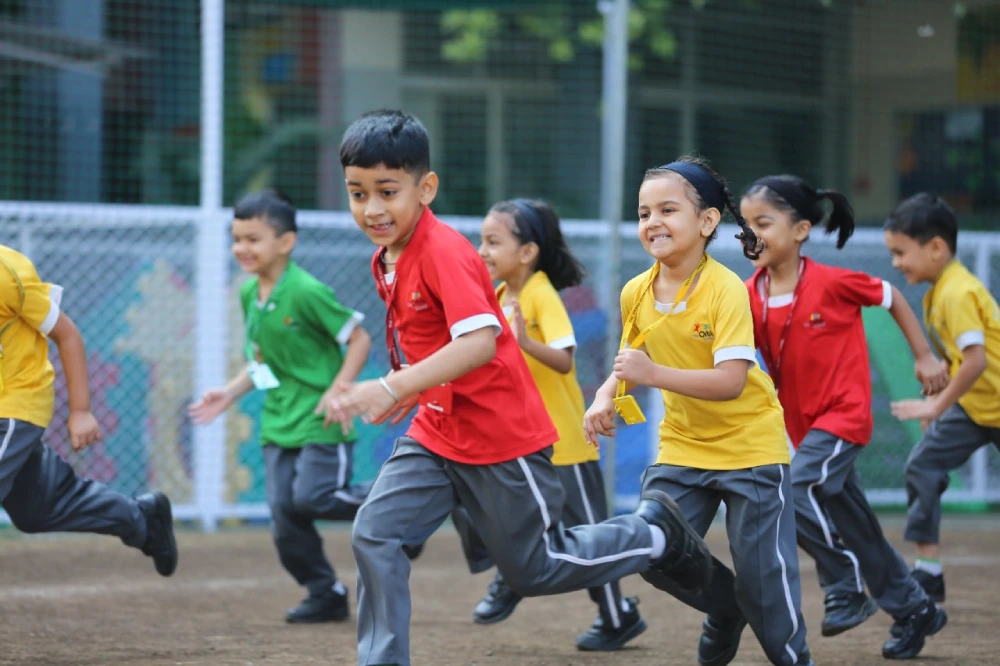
(70, 600)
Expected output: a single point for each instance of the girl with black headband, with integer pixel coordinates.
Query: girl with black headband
(524, 250)
(688, 331)
(810, 333)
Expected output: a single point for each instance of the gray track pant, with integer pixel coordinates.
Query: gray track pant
(760, 523)
(585, 505)
(946, 446)
(826, 485)
(517, 509)
(41, 492)
(305, 485)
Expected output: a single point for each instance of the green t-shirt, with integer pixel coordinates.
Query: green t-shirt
(298, 333)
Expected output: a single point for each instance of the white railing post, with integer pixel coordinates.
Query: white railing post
(613, 139)
(980, 460)
(211, 266)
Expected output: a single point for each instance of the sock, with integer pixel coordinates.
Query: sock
(339, 588)
(933, 567)
(659, 542)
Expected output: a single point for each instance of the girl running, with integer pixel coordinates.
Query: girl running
(688, 331)
(524, 249)
(810, 332)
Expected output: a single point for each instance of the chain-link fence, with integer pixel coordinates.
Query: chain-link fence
(161, 106)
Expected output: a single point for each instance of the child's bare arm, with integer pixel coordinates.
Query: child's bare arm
(456, 359)
(83, 427)
(359, 345)
(931, 372)
(972, 367)
(725, 381)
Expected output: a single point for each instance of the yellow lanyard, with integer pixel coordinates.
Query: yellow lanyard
(634, 314)
(17, 315)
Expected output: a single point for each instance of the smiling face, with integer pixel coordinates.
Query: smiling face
(918, 262)
(776, 231)
(670, 225)
(257, 247)
(387, 203)
(502, 251)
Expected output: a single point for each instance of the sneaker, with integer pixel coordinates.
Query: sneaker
(160, 542)
(933, 585)
(914, 630)
(413, 552)
(330, 607)
(720, 640)
(845, 611)
(602, 638)
(499, 602)
(686, 560)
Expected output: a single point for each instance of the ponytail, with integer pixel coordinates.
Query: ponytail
(536, 222)
(796, 197)
(841, 218)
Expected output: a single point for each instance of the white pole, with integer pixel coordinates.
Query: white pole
(210, 270)
(980, 459)
(613, 138)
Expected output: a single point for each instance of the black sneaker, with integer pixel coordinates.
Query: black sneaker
(160, 543)
(933, 585)
(331, 607)
(720, 640)
(413, 552)
(914, 630)
(686, 560)
(602, 638)
(845, 611)
(499, 602)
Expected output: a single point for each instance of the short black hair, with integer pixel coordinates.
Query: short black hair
(924, 217)
(272, 206)
(392, 138)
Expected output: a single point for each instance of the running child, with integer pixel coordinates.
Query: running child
(481, 436)
(295, 329)
(524, 249)
(688, 331)
(38, 489)
(963, 321)
(810, 332)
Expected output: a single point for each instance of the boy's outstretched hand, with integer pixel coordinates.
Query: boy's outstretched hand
(916, 410)
(932, 373)
(326, 406)
(83, 429)
(211, 404)
(368, 399)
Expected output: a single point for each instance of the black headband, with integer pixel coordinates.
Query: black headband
(797, 197)
(536, 230)
(703, 182)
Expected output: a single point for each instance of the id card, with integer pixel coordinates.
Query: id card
(629, 410)
(262, 377)
(438, 398)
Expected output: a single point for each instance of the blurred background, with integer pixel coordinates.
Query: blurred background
(128, 126)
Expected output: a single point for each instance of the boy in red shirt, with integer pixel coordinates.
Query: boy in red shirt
(481, 436)
(808, 326)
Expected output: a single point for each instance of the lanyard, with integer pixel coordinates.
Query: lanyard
(774, 361)
(390, 320)
(254, 315)
(17, 315)
(633, 315)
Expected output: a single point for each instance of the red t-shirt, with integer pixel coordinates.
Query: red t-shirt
(443, 290)
(824, 377)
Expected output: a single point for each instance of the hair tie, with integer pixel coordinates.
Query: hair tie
(703, 182)
(536, 230)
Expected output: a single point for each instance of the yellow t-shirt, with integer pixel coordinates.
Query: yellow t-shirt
(27, 373)
(960, 312)
(547, 321)
(713, 325)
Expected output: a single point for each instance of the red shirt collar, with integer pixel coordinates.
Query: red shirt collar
(426, 222)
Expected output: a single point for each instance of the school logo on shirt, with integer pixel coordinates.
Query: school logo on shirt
(815, 321)
(290, 323)
(703, 332)
(417, 301)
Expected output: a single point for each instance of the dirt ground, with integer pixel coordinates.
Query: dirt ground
(88, 600)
